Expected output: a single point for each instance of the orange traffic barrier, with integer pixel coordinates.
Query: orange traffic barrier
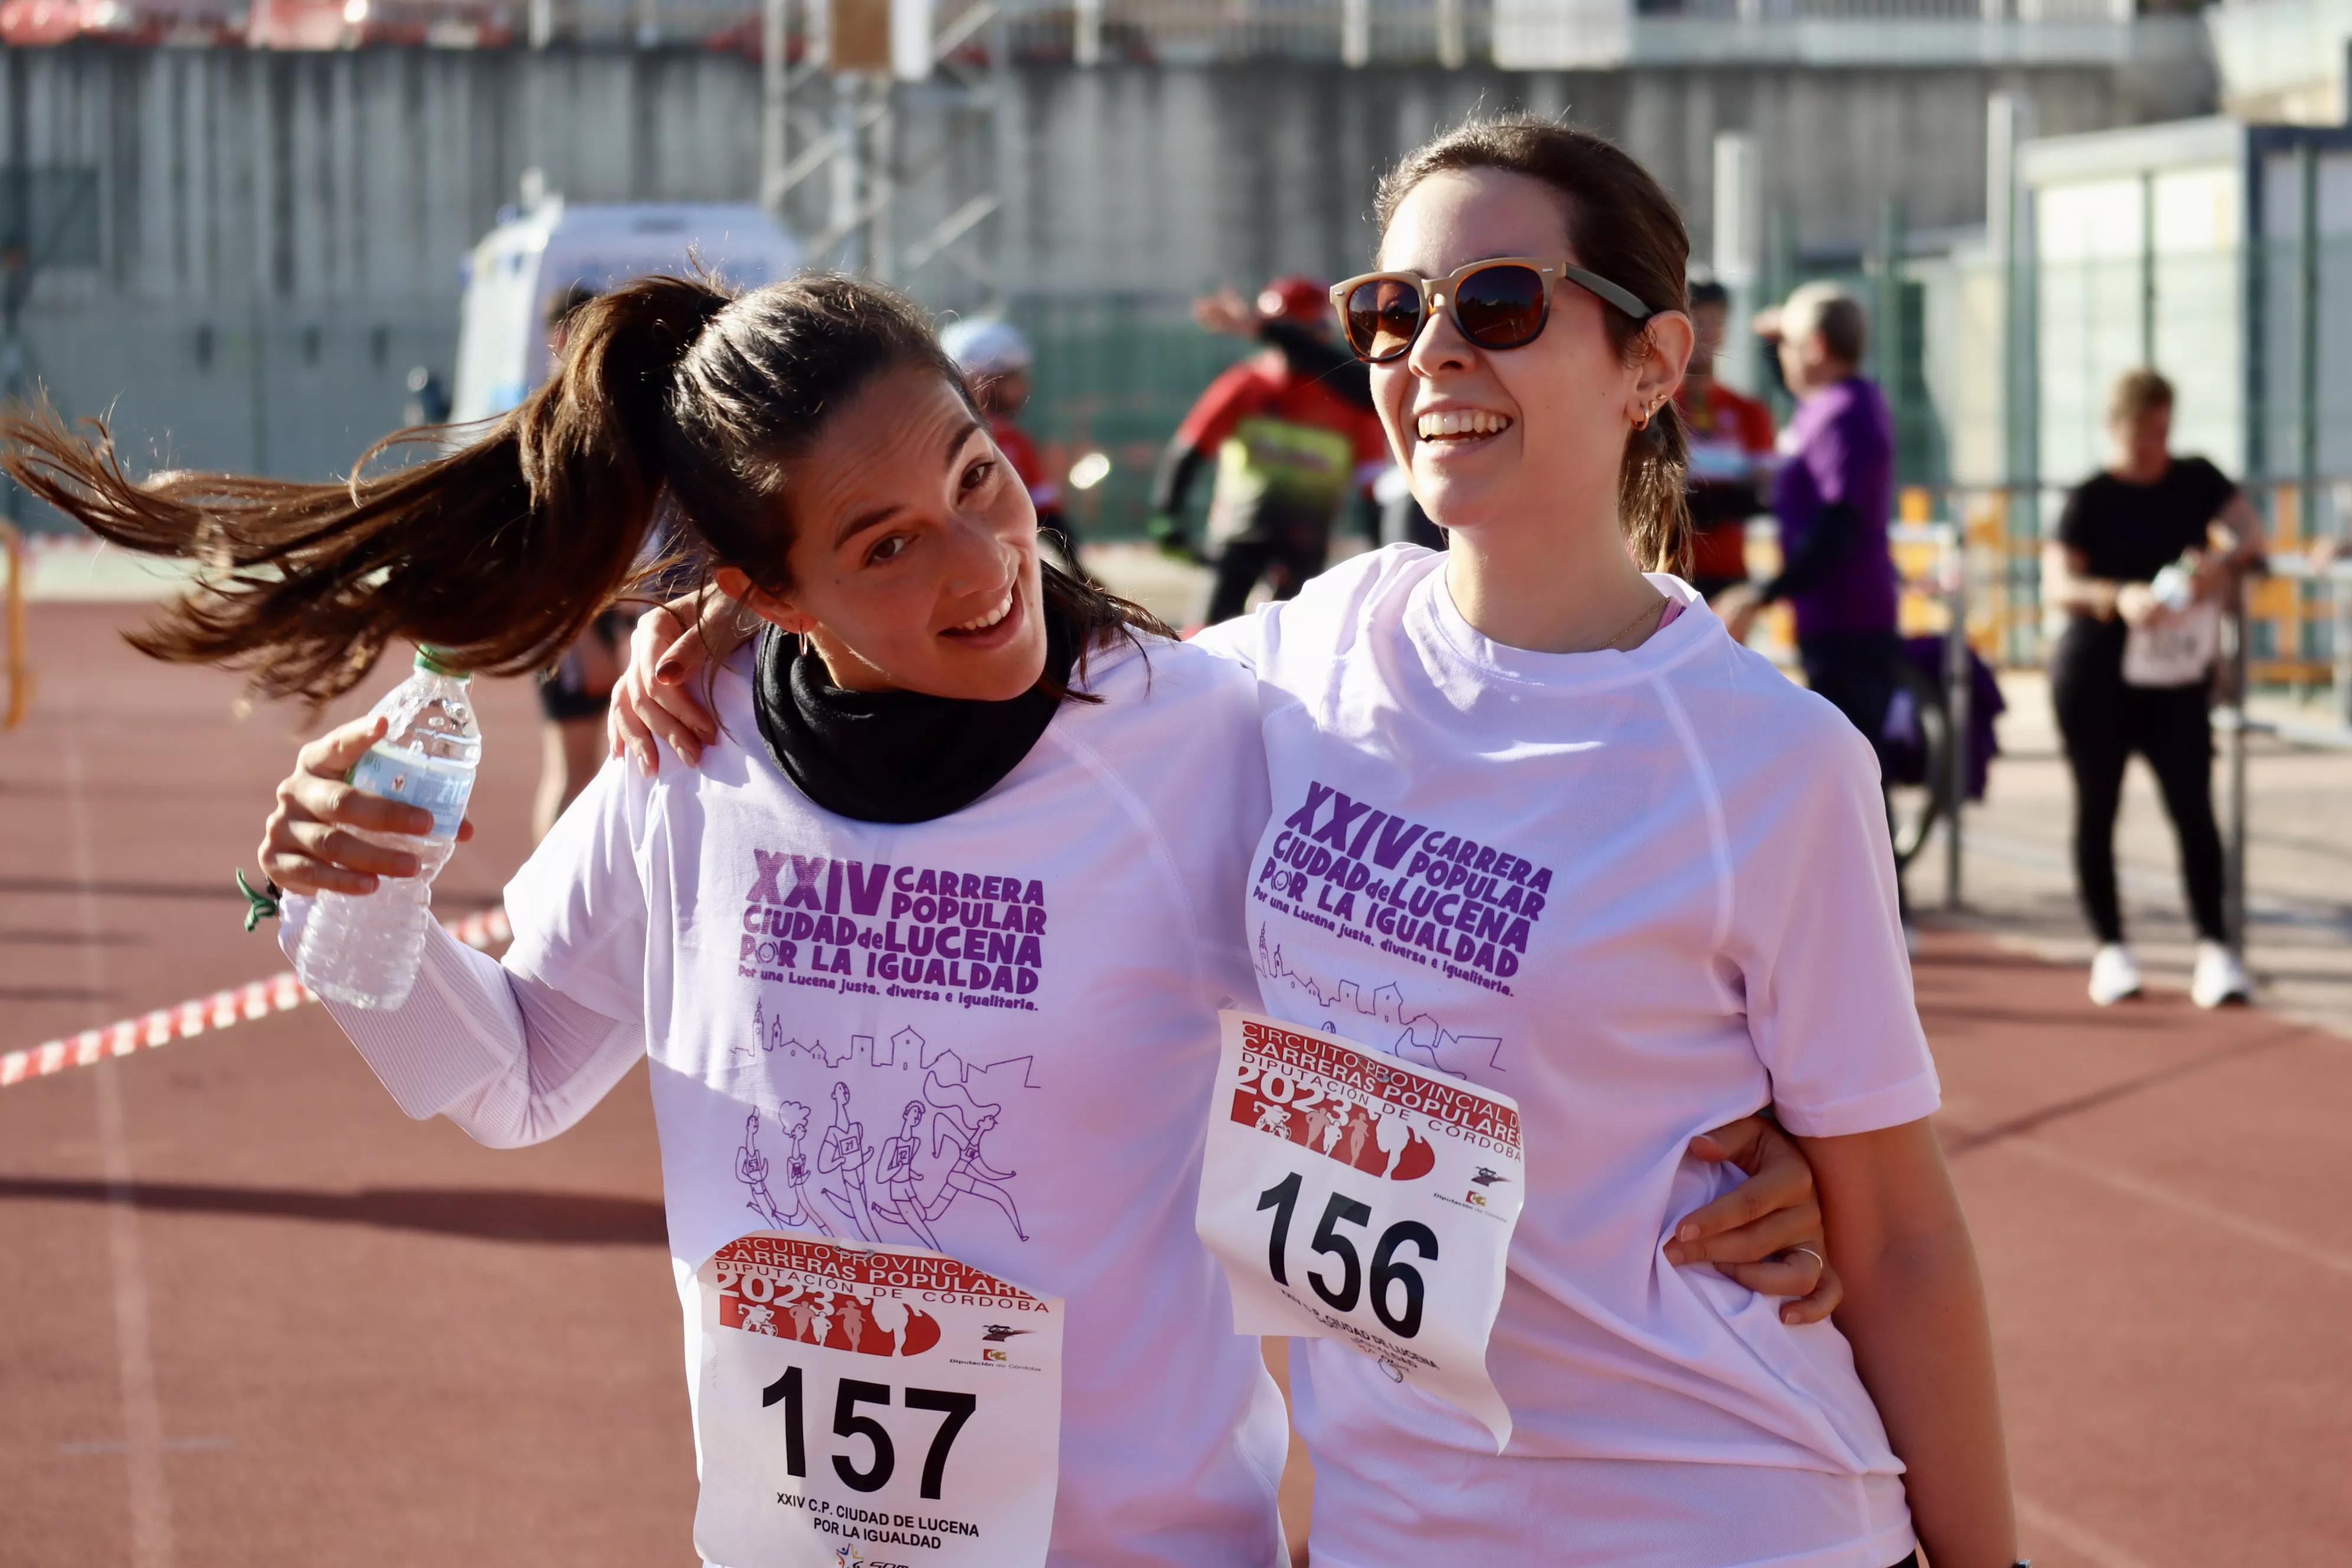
(13, 659)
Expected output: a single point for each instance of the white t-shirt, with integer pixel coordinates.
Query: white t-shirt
(1033, 981)
(1644, 893)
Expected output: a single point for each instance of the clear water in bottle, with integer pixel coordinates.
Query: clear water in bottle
(364, 949)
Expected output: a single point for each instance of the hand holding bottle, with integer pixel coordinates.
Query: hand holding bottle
(312, 842)
(410, 771)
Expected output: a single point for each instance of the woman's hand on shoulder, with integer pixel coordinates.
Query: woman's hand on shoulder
(658, 697)
(1766, 1232)
(312, 842)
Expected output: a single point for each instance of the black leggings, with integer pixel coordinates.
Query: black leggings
(1857, 672)
(2103, 722)
(1289, 562)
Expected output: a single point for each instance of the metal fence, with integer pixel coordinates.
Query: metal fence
(1450, 32)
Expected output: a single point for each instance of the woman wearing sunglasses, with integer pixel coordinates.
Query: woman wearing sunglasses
(1718, 931)
(966, 867)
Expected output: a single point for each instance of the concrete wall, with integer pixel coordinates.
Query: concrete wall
(280, 235)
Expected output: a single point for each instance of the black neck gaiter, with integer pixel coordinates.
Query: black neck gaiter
(896, 756)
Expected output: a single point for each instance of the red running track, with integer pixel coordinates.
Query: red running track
(254, 1316)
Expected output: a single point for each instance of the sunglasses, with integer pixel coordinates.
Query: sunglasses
(1498, 304)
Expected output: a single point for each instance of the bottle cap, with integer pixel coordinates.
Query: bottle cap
(434, 662)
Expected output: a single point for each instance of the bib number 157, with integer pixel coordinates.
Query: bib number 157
(882, 1456)
(1392, 1285)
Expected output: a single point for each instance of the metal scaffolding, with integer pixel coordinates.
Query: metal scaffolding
(879, 97)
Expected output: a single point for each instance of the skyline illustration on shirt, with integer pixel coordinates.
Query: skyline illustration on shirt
(1420, 1038)
(877, 1157)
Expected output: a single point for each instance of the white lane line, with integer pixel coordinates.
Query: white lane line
(174, 1445)
(142, 1410)
(2140, 1187)
(2062, 1531)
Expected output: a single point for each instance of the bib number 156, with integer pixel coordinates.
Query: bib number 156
(882, 1457)
(1395, 1288)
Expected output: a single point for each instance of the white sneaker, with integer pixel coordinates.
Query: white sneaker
(2114, 974)
(2218, 977)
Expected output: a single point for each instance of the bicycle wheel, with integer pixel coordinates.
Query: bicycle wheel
(1913, 810)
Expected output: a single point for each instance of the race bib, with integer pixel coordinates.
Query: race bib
(2179, 651)
(1355, 1197)
(878, 1405)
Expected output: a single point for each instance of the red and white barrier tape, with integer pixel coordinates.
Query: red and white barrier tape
(278, 993)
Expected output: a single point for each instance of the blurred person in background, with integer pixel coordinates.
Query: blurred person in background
(1314, 353)
(994, 357)
(1289, 450)
(1730, 440)
(1832, 494)
(2143, 561)
(573, 691)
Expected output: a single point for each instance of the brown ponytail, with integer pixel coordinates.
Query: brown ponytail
(502, 552)
(1623, 225)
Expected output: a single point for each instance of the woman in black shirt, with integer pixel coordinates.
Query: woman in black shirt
(2132, 672)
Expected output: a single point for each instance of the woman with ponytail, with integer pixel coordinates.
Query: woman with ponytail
(1664, 897)
(966, 846)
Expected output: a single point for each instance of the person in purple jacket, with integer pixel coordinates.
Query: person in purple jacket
(1832, 494)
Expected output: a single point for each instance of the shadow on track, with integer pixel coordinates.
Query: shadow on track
(486, 1214)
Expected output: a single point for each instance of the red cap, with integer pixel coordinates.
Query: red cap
(1296, 299)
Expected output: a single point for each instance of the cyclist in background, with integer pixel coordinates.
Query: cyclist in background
(1730, 438)
(1315, 355)
(995, 358)
(1289, 450)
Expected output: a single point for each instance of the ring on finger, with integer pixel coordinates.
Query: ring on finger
(1808, 1252)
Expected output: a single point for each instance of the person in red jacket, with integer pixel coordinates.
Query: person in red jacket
(995, 358)
(1289, 450)
(1731, 452)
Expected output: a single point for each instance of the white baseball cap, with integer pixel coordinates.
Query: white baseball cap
(986, 345)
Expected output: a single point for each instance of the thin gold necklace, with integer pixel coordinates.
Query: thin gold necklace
(1627, 630)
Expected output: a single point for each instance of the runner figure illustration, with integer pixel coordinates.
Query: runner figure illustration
(793, 1117)
(970, 1123)
(751, 1170)
(802, 1310)
(1337, 1125)
(853, 1321)
(904, 1203)
(1318, 1122)
(1393, 1133)
(890, 1316)
(821, 1315)
(1358, 1125)
(844, 1150)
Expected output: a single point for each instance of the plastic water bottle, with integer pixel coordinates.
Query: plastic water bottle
(2176, 585)
(365, 949)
